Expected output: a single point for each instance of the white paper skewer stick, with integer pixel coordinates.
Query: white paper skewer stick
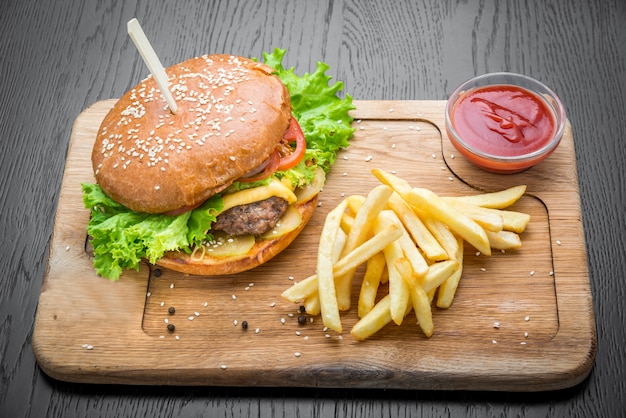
(152, 61)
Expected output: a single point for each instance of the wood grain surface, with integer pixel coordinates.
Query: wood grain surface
(58, 59)
(539, 296)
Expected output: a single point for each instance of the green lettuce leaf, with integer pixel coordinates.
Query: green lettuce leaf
(323, 116)
(121, 238)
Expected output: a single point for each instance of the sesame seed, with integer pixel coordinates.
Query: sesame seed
(297, 354)
(527, 318)
(232, 158)
(368, 158)
(257, 330)
(233, 297)
(496, 325)
(223, 367)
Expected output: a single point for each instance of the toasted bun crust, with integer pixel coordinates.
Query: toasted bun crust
(261, 252)
(232, 112)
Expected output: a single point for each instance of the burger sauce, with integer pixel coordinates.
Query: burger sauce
(503, 120)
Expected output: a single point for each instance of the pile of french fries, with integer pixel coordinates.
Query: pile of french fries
(410, 238)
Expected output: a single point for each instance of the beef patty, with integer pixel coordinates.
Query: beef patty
(251, 219)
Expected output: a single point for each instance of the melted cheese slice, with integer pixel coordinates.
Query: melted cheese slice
(244, 197)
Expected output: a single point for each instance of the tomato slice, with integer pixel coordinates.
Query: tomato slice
(293, 133)
(271, 166)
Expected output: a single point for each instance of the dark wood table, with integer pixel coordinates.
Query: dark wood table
(56, 60)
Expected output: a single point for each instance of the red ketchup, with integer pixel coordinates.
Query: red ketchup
(502, 121)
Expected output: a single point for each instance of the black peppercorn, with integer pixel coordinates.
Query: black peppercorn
(171, 309)
(302, 309)
(301, 319)
(157, 272)
(171, 327)
(244, 325)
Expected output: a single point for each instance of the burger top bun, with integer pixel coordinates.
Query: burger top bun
(232, 113)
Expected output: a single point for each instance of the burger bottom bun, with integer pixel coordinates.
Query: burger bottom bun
(261, 252)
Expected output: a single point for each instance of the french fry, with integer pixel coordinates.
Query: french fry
(447, 290)
(371, 281)
(325, 276)
(419, 298)
(515, 221)
(441, 232)
(504, 240)
(398, 289)
(352, 260)
(416, 228)
(376, 319)
(437, 274)
(383, 237)
(366, 214)
(489, 219)
(495, 200)
(312, 304)
(398, 184)
(408, 247)
(355, 202)
(410, 238)
(368, 210)
(346, 223)
(459, 223)
(301, 290)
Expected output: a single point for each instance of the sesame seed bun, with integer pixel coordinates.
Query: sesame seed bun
(261, 252)
(232, 113)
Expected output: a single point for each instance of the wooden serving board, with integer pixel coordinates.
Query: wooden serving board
(89, 329)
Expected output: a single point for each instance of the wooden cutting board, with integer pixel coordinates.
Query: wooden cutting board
(521, 320)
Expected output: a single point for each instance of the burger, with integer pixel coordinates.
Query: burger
(227, 181)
